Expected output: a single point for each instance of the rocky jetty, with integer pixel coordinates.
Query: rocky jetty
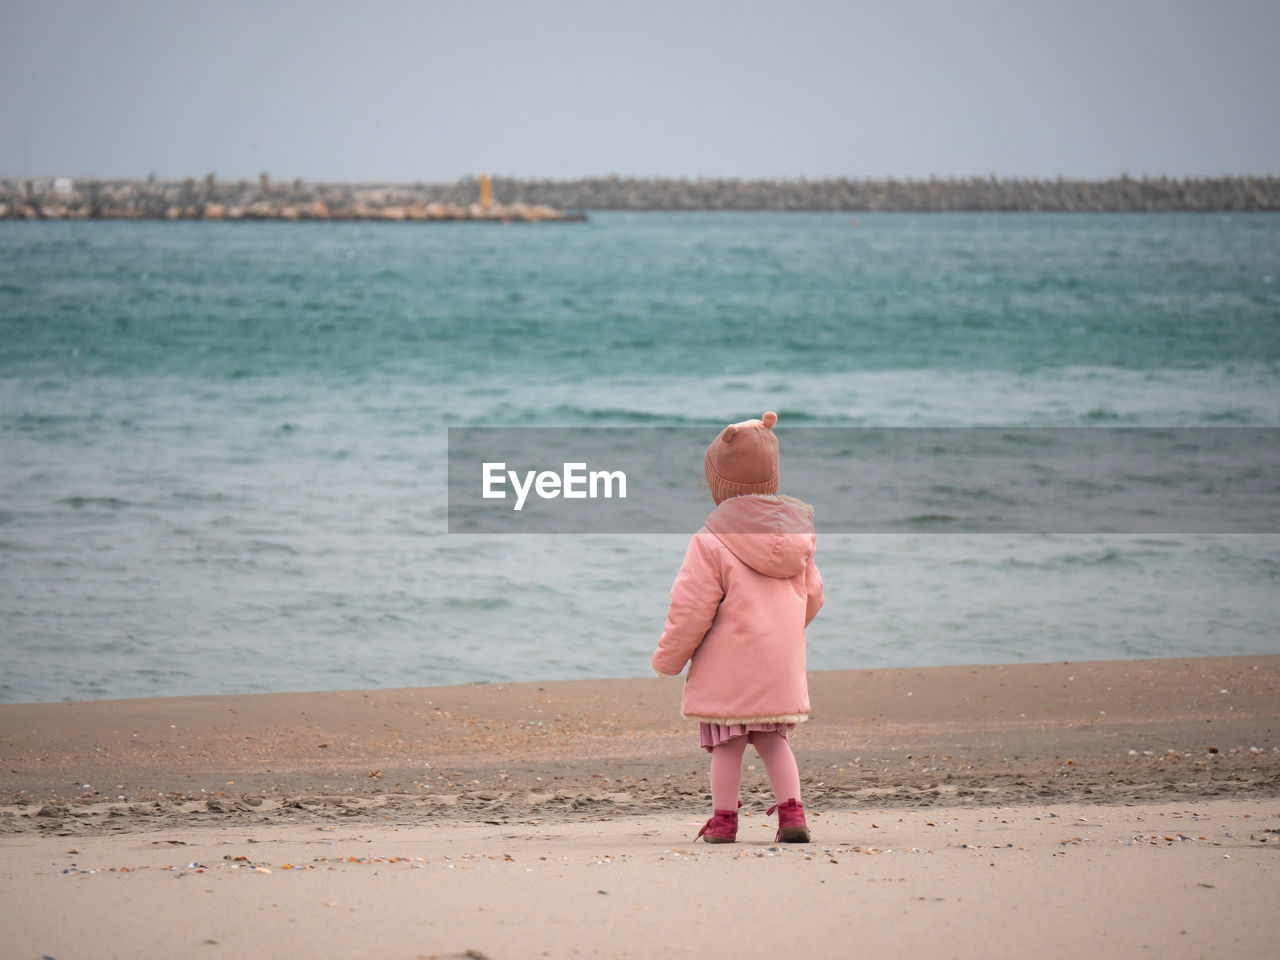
(61, 198)
(975, 194)
(546, 200)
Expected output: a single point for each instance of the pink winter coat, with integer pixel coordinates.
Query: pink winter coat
(746, 590)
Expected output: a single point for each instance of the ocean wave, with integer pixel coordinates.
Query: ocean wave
(893, 398)
(80, 502)
(609, 415)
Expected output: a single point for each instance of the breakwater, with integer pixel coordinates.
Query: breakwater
(64, 198)
(974, 194)
(531, 200)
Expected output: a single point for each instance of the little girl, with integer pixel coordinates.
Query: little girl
(746, 590)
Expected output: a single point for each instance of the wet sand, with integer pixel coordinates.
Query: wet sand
(969, 811)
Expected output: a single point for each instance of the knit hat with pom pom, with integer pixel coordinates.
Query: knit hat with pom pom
(743, 459)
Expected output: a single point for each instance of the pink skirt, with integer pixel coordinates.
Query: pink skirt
(711, 735)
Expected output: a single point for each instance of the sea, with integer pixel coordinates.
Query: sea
(223, 445)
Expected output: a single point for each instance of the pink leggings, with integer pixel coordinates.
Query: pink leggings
(779, 764)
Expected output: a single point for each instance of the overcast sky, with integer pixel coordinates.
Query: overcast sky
(806, 88)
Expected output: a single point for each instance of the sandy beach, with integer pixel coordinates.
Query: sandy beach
(1110, 809)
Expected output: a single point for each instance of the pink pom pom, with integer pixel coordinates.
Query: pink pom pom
(769, 419)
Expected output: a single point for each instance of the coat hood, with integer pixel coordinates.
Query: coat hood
(773, 535)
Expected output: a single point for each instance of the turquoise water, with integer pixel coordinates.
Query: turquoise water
(223, 444)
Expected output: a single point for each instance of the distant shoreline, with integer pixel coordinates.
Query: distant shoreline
(531, 200)
(65, 198)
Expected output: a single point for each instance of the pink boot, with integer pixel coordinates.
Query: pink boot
(791, 825)
(721, 828)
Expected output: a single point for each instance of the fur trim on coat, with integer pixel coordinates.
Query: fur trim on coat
(744, 721)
